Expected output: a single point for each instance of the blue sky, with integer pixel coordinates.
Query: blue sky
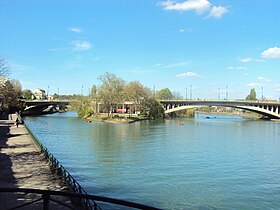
(208, 44)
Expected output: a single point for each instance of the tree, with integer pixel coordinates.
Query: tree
(153, 109)
(17, 86)
(136, 93)
(110, 91)
(4, 68)
(94, 96)
(83, 106)
(164, 94)
(9, 97)
(27, 94)
(252, 96)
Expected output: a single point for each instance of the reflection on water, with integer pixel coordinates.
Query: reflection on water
(222, 162)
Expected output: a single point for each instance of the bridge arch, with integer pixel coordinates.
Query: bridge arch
(271, 114)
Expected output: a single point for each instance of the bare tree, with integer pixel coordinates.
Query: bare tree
(136, 93)
(110, 91)
(4, 68)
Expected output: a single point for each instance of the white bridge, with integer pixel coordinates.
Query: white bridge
(268, 109)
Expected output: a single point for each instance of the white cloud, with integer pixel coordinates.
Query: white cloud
(188, 74)
(218, 11)
(253, 84)
(199, 6)
(157, 65)
(248, 60)
(235, 68)
(273, 52)
(81, 45)
(173, 65)
(182, 30)
(264, 79)
(76, 30)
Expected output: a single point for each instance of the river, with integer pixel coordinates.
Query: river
(223, 162)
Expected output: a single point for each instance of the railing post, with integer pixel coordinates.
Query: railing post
(46, 201)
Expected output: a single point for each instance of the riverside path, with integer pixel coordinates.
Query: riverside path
(23, 166)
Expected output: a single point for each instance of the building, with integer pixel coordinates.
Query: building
(39, 94)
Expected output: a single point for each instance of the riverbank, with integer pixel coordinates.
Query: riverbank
(117, 119)
(23, 166)
(240, 114)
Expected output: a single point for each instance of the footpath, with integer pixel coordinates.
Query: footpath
(23, 166)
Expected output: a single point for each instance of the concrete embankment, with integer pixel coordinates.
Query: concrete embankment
(23, 166)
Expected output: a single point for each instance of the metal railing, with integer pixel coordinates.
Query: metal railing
(47, 196)
(87, 201)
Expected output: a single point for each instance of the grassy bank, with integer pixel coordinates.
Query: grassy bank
(120, 118)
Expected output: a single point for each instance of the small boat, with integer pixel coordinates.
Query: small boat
(180, 123)
(88, 120)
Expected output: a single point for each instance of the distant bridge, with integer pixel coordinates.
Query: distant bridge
(38, 107)
(268, 109)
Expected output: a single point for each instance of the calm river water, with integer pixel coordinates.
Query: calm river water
(217, 163)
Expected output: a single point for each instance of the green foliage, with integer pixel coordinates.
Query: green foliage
(189, 113)
(83, 106)
(27, 94)
(164, 94)
(9, 96)
(252, 96)
(152, 109)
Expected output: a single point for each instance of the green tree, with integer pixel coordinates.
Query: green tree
(153, 109)
(82, 104)
(9, 97)
(252, 96)
(55, 96)
(110, 91)
(27, 94)
(136, 93)
(164, 94)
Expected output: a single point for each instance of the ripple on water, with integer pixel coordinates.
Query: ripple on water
(217, 163)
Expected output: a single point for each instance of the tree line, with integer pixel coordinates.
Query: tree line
(113, 92)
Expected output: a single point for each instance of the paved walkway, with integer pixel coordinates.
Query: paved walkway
(22, 166)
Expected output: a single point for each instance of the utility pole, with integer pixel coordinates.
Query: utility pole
(226, 92)
(262, 93)
(82, 89)
(190, 92)
(48, 93)
(154, 91)
(186, 93)
(219, 93)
